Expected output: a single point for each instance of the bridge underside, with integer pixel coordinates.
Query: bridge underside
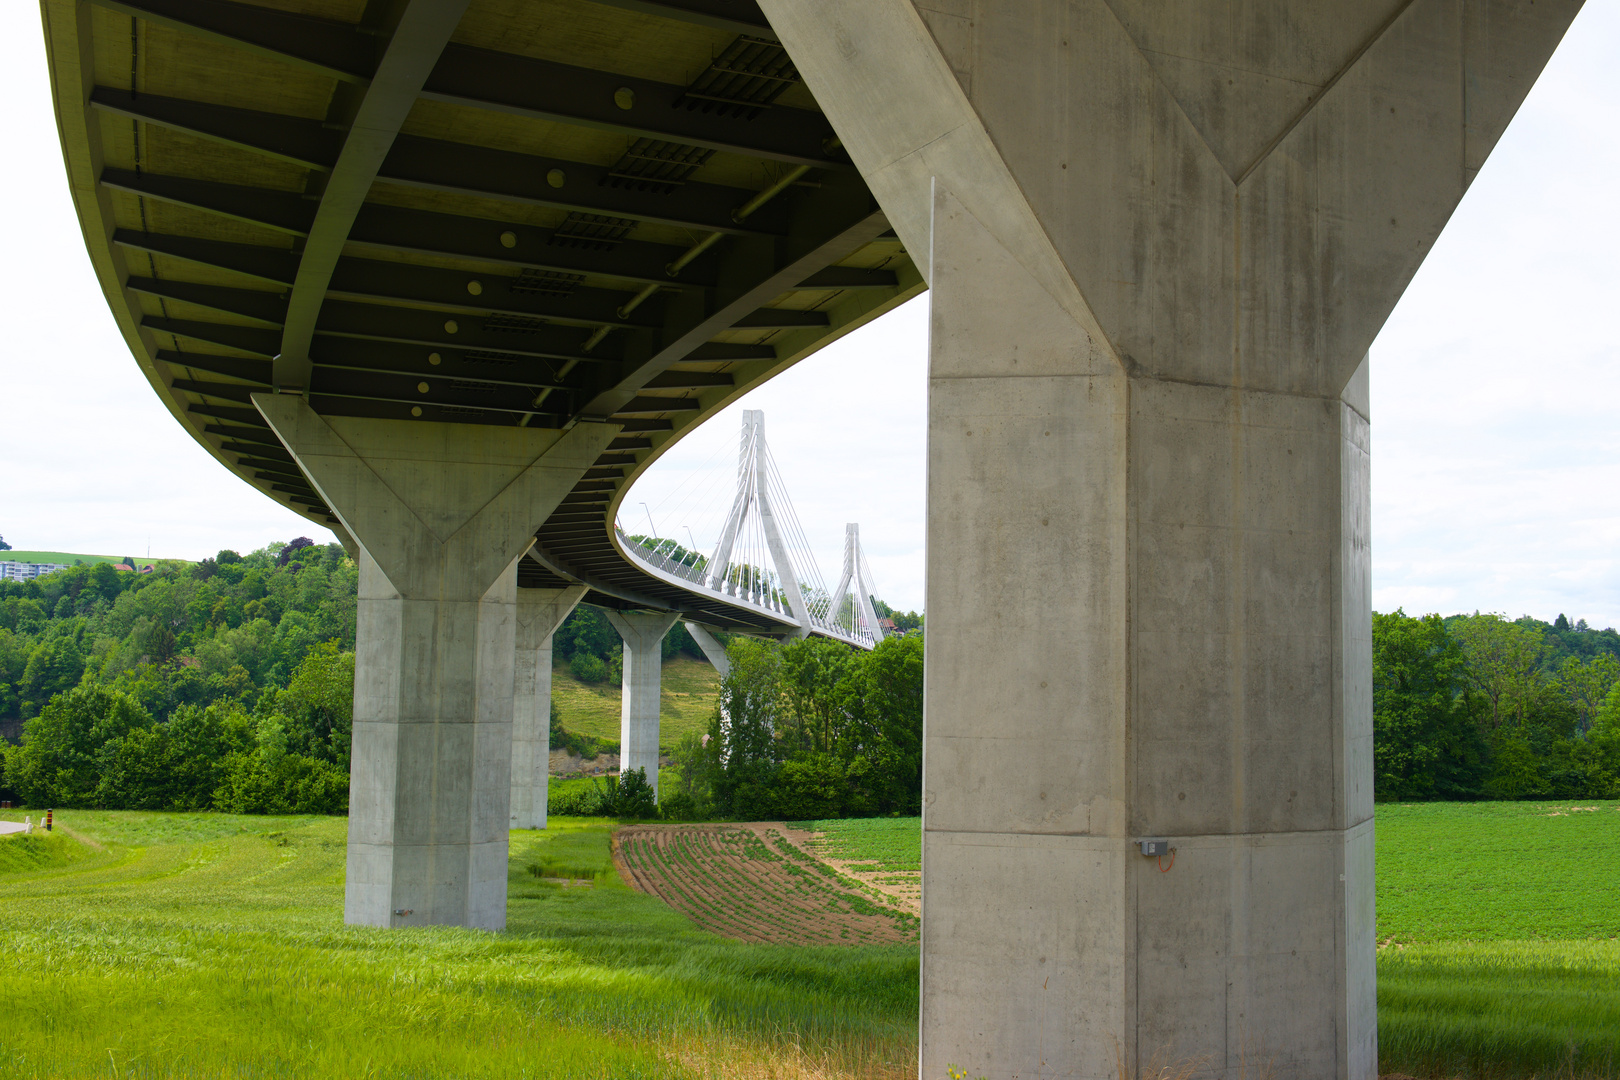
(514, 215)
(446, 275)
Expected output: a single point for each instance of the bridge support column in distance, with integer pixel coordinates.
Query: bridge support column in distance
(1162, 240)
(441, 514)
(539, 613)
(643, 633)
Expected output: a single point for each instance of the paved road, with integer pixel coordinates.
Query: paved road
(11, 827)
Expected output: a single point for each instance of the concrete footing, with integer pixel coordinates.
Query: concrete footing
(539, 613)
(643, 633)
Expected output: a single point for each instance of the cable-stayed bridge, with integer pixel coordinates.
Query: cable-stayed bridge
(762, 562)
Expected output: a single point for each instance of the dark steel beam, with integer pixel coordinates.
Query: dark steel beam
(308, 143)
(453, 291)
(732, 16)
(464, 169)
(780, 319)
(458, 168)
(420, 35)
(655, 406)
(250, 339)
(483, 294)
(545, 90)
(827, 224)
(850, 277)
(283, 211)
(275, 265)
(334, 49)
(223, 391)
(527, 86)
(232, 367)
(265, 307)
(396, 228)
(688, 380)
(513, 337)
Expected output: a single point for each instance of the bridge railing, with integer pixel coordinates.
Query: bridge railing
(766, 599)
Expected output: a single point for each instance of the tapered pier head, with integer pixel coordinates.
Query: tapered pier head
(441, 513)
(1162, 239)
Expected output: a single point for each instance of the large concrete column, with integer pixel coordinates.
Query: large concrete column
(1161, 239)
(539, 613)
(441, 514)
(643, 633)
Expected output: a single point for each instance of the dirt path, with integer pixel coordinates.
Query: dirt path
(757, 882)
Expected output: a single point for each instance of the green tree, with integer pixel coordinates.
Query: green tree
(1588, 683)
(1505, 665)
(58, 762)
(1426, 738)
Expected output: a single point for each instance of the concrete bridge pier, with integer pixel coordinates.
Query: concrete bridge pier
(643, 633)
(1161, 240)
(441, 514)
(539, 613)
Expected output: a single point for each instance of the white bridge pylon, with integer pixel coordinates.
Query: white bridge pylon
(763, 559)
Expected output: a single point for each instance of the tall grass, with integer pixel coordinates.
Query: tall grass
(1501, 1009)
(206, 945)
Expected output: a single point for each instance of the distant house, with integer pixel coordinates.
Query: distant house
(147, 569)
(28, 571)
(887, 626)
(124, 566)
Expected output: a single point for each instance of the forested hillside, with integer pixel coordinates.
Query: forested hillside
(225, 684)
(1475, 706)
(228, 684)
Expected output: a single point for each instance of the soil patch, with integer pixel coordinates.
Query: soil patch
(755, 882)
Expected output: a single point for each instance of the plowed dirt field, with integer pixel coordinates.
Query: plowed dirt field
(755, 882)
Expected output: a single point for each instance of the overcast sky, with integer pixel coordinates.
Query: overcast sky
(1496, 452)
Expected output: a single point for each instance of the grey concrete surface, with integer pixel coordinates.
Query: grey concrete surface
(441, 514)
(643, 633)
(712, 649)
(539, 613)
(1162, 239)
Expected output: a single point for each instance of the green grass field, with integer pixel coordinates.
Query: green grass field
(68, 558)
(192, 945)
(1499, 931)
(181, 945)
(690, 690)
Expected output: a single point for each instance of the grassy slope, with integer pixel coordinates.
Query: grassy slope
(207, 945)
(69, 558)
(1500, 925)
(690, 687)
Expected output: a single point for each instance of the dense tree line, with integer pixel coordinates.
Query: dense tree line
(227, 684)
(810, 729)
(1478, 707)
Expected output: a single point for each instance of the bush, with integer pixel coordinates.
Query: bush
(588, 668)
(577, 802)
(633, 796)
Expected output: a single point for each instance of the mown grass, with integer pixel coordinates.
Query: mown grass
(690, 690)
(207, 945)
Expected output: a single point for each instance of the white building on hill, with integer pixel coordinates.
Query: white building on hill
(28, 571)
